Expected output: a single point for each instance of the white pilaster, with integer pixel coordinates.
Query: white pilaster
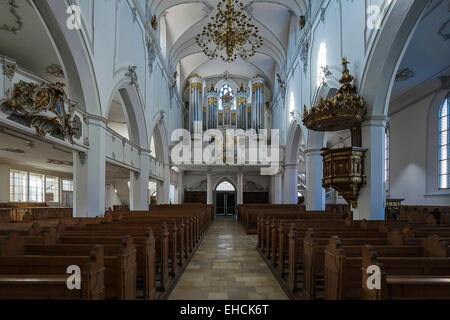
(315, 198)
(180, 187)
(163, 187)
(89, 174)
(290, 184)
(209, 188)
(139, 193)
(240, 188)
(372, 199)
(277, 189)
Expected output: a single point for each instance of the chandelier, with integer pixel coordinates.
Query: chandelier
(230, 34)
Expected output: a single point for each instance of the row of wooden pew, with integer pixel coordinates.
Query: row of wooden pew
(328, 259)
(123, 255)
(249, 213)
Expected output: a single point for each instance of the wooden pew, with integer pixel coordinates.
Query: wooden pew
(314, 256)
(349, 236)
(406, 277)
(11, 245)
(119, 261)
(135, 230)
(22, 228)
(249, 214)
(152, 253)
(343, 265)
(45, 277)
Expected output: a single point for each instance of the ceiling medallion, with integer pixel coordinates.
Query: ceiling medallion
(230, 34)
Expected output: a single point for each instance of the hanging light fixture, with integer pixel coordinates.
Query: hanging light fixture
(230, 34)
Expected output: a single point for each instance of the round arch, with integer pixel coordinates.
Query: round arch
(387, 52)
(225, 202)
(226, 180)
(294, 142)
(74, 55)
(159, 136)
(134, 112)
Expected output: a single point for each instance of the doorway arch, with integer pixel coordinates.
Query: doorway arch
(225, 198)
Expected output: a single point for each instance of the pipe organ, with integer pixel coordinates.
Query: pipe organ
(196, 105)
(214, 110)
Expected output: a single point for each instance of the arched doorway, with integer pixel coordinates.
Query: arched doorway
(225, 196)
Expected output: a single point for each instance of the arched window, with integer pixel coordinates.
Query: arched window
(444, 152)
(387, 159)
(224, 90)
(225, 187)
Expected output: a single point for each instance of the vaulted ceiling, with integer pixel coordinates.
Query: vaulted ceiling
(427, 56)
(185, 19)
(24, 38)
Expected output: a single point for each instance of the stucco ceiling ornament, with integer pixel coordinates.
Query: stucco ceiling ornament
(18, 20)
(404, 74)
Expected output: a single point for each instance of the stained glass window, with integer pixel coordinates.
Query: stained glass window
(226, 89)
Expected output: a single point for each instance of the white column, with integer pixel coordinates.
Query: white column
(89, 174)
(209, 188)
(372, 199)
(163, 187)
(290, 184)
(277, 189)
(240, 188)
(180, 188)
(139, 193)
(315, 197)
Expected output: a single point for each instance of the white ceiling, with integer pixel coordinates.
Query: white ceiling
(30, 44)
(186, 19)
(427, 56)
(36, 153)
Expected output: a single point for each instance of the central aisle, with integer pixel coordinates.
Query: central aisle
(227, 266)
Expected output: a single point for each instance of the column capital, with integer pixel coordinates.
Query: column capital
(313, 152)
(375, 121)
(195, 79)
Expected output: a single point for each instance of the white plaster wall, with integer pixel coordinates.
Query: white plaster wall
(409, 147)
(111, 197)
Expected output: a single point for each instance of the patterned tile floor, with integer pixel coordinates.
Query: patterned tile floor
(227, 266)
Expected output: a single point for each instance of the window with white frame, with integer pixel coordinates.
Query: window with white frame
(67, 193)
(18, 186)
(444, 152)
(36, 187)
(51, 189)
